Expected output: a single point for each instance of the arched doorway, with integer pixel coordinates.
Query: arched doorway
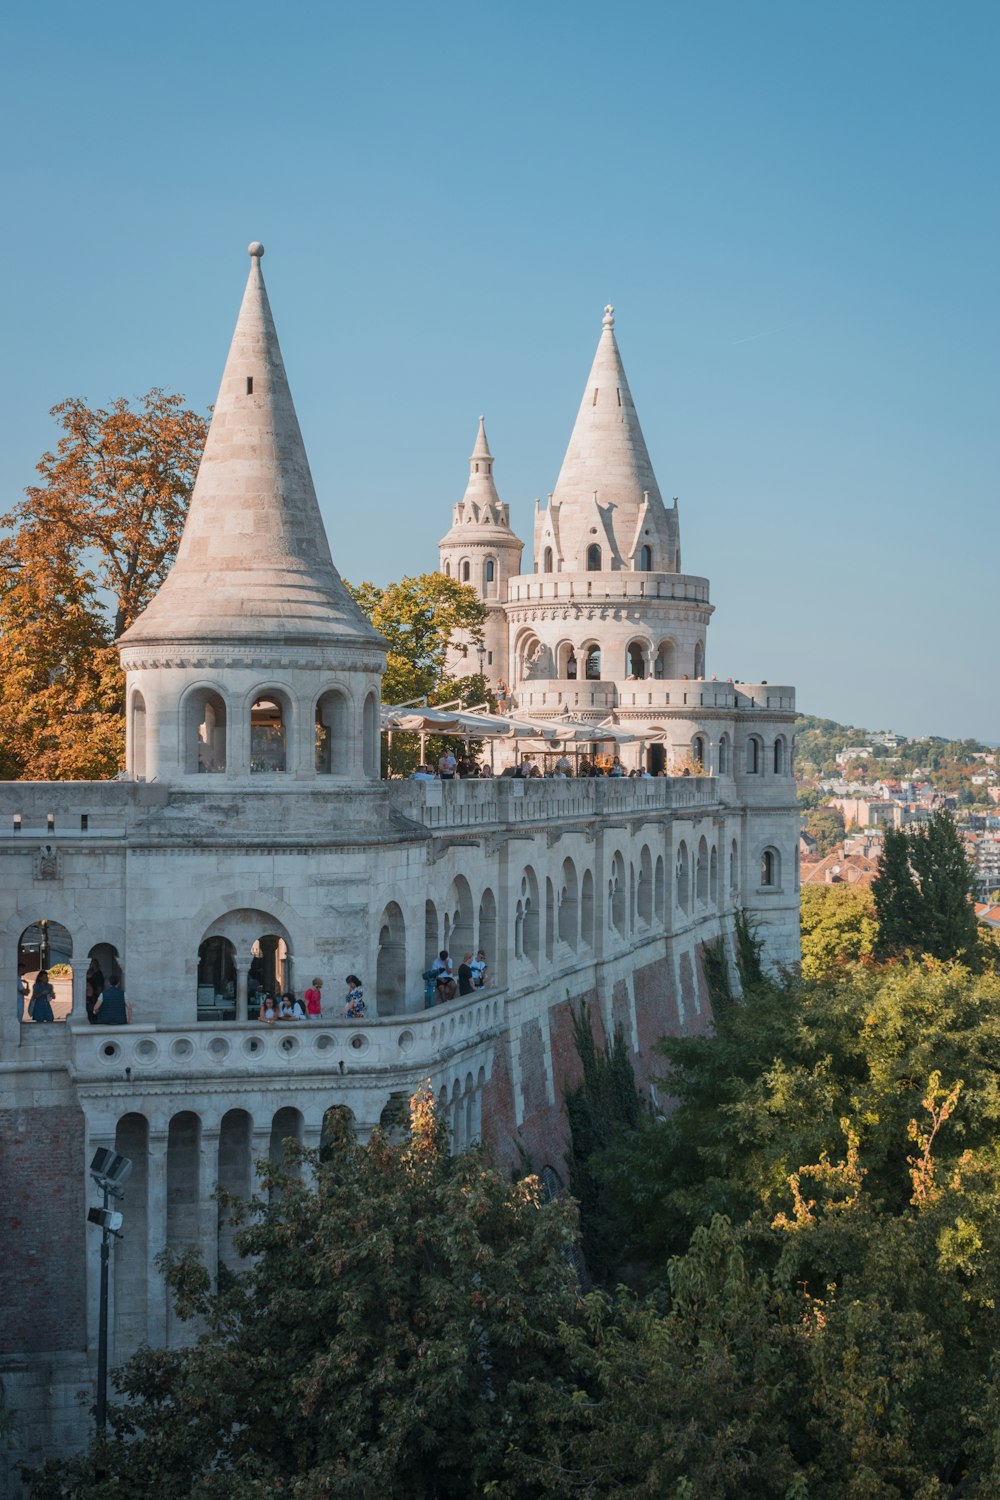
(217, 980)
(267, 735)
(45, 947)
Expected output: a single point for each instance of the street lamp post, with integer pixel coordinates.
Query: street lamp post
(111, 1172)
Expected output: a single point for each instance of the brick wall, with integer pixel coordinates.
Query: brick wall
(43, 1230)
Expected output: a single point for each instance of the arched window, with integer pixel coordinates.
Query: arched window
(490, 573)
(466, 571)
(635, 662)
(645, 559)
(529, 907)
(701, 871)
(587, 910)
(770, 868)
(593, 558)
(137, 737)
(593, 668)
(723, 755)
(713, 877)
(332, 743)
(699, 660)
(447, 570)
(267, 735)
(779, 756)
(568, 913)
(755, 755)
(734, 870)
(683, 876)
(204, 721)
(699, 753)
(547, 560)
(616, 895)
(370, 737)
(644, 899)
(46, 947)
(390, 963)
(217, 980)
(666, 661)
(659, 882)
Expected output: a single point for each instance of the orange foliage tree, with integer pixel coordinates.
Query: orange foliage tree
(85, 551)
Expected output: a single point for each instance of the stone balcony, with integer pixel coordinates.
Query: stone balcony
(240, 1050)
(559, 694)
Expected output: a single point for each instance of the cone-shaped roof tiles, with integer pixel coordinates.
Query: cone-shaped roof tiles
(254, 561)
(607, 454)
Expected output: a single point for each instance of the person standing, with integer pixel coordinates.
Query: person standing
(112, 1008)
(466, 983)
(447, 765)
(42, 996)
(314, 1000)
(354, 1010)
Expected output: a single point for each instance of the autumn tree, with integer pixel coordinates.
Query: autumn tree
(838, 927)
(103, 525)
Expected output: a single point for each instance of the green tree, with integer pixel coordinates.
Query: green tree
(104, 522)
(923, 893)
(420, 618)
(838, 927)
(394, 1303)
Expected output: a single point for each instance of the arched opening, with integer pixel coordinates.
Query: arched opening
(529, 657)
(683, 876)
(137, 737)
(699, 659)
(656, 759)
(566, 662)
(270, 971)
(701, 872)
(489, 572)
(592, 670)
(103, 968)
(636, 659)
(754, 755)
(267, 735)
(779, 756)
(130, 1275)
(550, 920)
(45, 971)
(447, 570)
(724, 750)
(617, 895)
(336, 1132)
(644, 898)
(568, 906)
(593, 558)
(547, 560)
(713, 876)
(390, 963)
(734, 870)
(205, 731)
(699, 754)
(370, 737)
(666, 660)
(459, 932)
(184, 1198)
(770, 868)
(659, 891)
(488, 928)
(530, 923)
(286, 1125)
(587, 910)
(331, 734)
(645, 559)
(235, 1177)
(466, 570)
(395, 1118)
(217, 980)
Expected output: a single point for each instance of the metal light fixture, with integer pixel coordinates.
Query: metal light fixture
(111, 1172)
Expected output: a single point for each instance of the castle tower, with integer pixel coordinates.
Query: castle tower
(607, 603)
(253, 660)
(482, 551)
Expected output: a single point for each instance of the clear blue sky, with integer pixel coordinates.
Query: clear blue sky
(793, 207)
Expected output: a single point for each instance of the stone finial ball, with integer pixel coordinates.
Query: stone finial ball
(256, 249)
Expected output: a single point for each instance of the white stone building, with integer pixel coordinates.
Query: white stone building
(254, 844)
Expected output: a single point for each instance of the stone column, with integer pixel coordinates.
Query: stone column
(242, 961)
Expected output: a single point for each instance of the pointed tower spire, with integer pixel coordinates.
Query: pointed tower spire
(254, 561)
(607, 465)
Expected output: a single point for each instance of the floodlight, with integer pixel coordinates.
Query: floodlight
(106, 1218)
(110, 1170)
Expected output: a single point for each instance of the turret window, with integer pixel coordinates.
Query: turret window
(490, 571)
(466, 572)
(593, 558)
(593, 667)
(645, 559)
(331, 734)
(249, 385)
(267, 736)
(547, 560)
(205, 732)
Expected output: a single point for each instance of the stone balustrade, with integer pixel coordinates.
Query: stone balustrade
(460, 804)
(676, 587)
(238, 1049)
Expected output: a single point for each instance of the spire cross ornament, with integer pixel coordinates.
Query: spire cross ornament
(609, 316)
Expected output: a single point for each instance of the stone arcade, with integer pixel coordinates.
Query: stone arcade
(253, 840)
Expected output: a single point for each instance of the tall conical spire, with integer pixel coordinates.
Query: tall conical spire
(607, 462)
(254, 561)
(481, 491)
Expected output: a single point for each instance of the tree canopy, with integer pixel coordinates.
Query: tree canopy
(103, 524)
(419, 617)
(923, 893)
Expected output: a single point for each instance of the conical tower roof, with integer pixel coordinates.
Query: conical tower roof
(254, 561)
(607, 459)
